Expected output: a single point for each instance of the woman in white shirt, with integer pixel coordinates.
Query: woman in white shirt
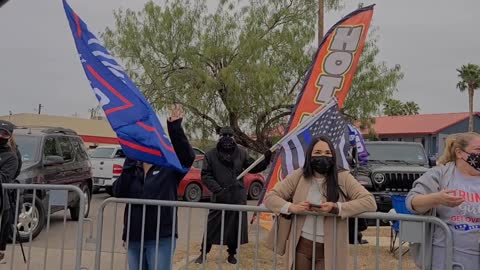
(318, 186)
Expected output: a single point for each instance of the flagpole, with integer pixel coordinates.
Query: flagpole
(277, 145)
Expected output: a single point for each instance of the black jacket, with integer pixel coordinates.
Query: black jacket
(8, 171)
(20, 162)
(221, 180)
(160, 183)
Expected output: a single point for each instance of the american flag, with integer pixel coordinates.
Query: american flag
(328, 122)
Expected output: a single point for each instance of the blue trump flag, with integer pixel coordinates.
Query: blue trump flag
(137, 127)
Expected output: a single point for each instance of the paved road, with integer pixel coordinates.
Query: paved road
(63, 236)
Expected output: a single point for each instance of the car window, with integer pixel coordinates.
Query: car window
(392, 152)
(66, 148)
(120, 154)
(51, 147)
(198, 164)
(198, 151)
(104, 152)
(79, 149)
(28, 147)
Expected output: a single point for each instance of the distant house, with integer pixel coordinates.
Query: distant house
(428, 129)
(92, 131)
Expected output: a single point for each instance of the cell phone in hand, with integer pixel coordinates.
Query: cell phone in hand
(314, 205)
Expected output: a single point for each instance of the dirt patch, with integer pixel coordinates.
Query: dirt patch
(265, 260)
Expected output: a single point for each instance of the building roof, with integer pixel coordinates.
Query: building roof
(91, 130)
(420, 124)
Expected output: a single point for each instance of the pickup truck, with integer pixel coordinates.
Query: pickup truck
(107, 163)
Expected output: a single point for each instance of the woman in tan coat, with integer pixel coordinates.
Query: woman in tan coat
(317, 187)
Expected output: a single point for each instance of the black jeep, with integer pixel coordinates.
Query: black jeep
(392, 168)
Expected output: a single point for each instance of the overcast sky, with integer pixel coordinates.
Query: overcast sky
(39, 63)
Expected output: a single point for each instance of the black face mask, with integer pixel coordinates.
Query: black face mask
(322, 164)
(3, 142)
(227, 143)
(474, 160)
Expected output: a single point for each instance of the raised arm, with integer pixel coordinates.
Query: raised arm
(180, 143)
(179, 140)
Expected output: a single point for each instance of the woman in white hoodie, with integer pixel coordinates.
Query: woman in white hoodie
(451, 191)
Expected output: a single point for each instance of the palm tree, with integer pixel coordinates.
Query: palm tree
(411, 108)
(393, 107)
(470, 80)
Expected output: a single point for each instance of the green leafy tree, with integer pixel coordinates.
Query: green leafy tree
(237, 66)
(373, 85)
(469, 80)
(241, 66)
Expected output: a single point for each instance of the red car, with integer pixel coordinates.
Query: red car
(192, 189)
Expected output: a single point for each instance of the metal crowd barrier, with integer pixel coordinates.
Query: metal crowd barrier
(408, 224)
(56, 197)
(53, 198)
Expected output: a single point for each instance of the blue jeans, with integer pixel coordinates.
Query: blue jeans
(148, 263)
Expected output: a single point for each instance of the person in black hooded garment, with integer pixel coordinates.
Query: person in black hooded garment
(220, 170)
(10, 164)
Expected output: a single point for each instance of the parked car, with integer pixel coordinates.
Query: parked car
(51, 156)
(192, 189)
(392, 168)
(107, 163)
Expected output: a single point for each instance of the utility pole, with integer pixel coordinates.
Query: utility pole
(321, 13)
(40, 106)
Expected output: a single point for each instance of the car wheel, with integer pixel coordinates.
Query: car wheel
(193, 193)
(31, 220)
(75, 211)
(255, 190)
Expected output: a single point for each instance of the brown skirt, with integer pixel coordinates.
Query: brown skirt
(304, 255)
